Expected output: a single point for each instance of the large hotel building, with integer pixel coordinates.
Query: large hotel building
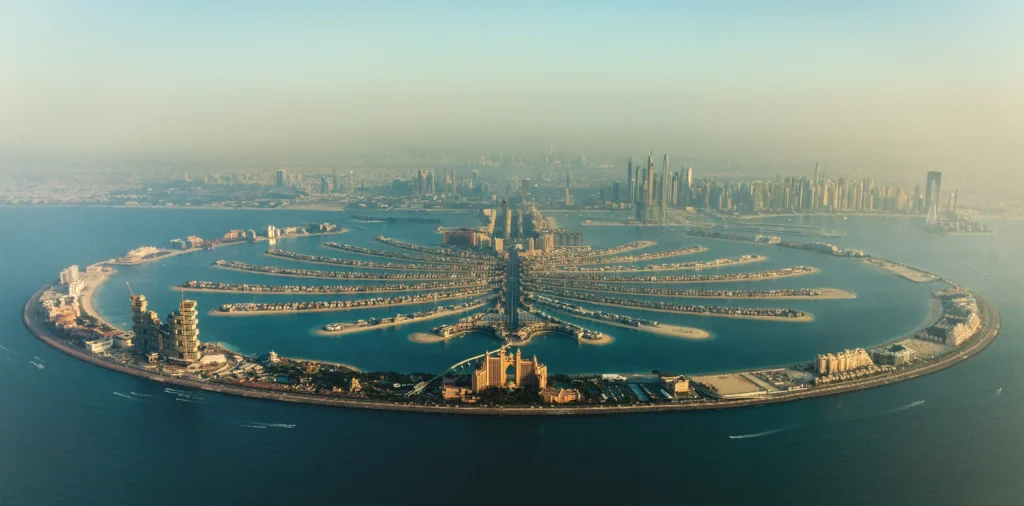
(177, 340)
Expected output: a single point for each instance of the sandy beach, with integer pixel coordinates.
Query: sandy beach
(92, 283)
(427, 338)
(662, 329)
(805, 318)
(352, 329)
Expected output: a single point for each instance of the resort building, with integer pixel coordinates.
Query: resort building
(959, 321)
(893, 355)
(138, 254)
(69, 275)
(178, 340)
(181, 342)
(146, 326)
(491, 372)
(462, 237)
(560, 395)
(675, 385)
(846, 360)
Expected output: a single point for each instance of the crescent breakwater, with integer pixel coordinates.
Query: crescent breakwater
(353, 275)
(775, 314)
(213, 286)
(986, 335)
(254, 309)
(782, 293)
(969, 325)
(696, 278)
(345, 262)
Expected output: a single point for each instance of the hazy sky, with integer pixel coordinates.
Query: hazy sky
(930, 82)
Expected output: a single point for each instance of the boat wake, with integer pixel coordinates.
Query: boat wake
(119, 394)
(37, 364)
(274, 425)
(184, 399)
(252, 426)
(908, 406)
(39, 359)
(183, 395)
(142, 395)
(761, 434)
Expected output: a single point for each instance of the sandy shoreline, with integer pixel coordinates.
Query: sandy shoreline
(93, 283)
(814, 270)
(805, 318)
(354, 329)
(826, 294)
(662, 329)
(670, 269)
(218, 312)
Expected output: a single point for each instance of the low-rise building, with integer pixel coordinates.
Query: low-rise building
(846, 360)
(123, 341)
(675, 385)
(894, 355)
(560, 395)
(97, 346)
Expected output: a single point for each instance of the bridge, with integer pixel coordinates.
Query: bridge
(421, 386)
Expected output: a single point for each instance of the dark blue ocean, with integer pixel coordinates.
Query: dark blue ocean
(72, 433)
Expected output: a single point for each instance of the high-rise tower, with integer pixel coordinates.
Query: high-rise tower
(512, 291)
(666, 187)
(145, 325)
(508, 219)
(933, 189)
(629, 182)
(183, 333)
